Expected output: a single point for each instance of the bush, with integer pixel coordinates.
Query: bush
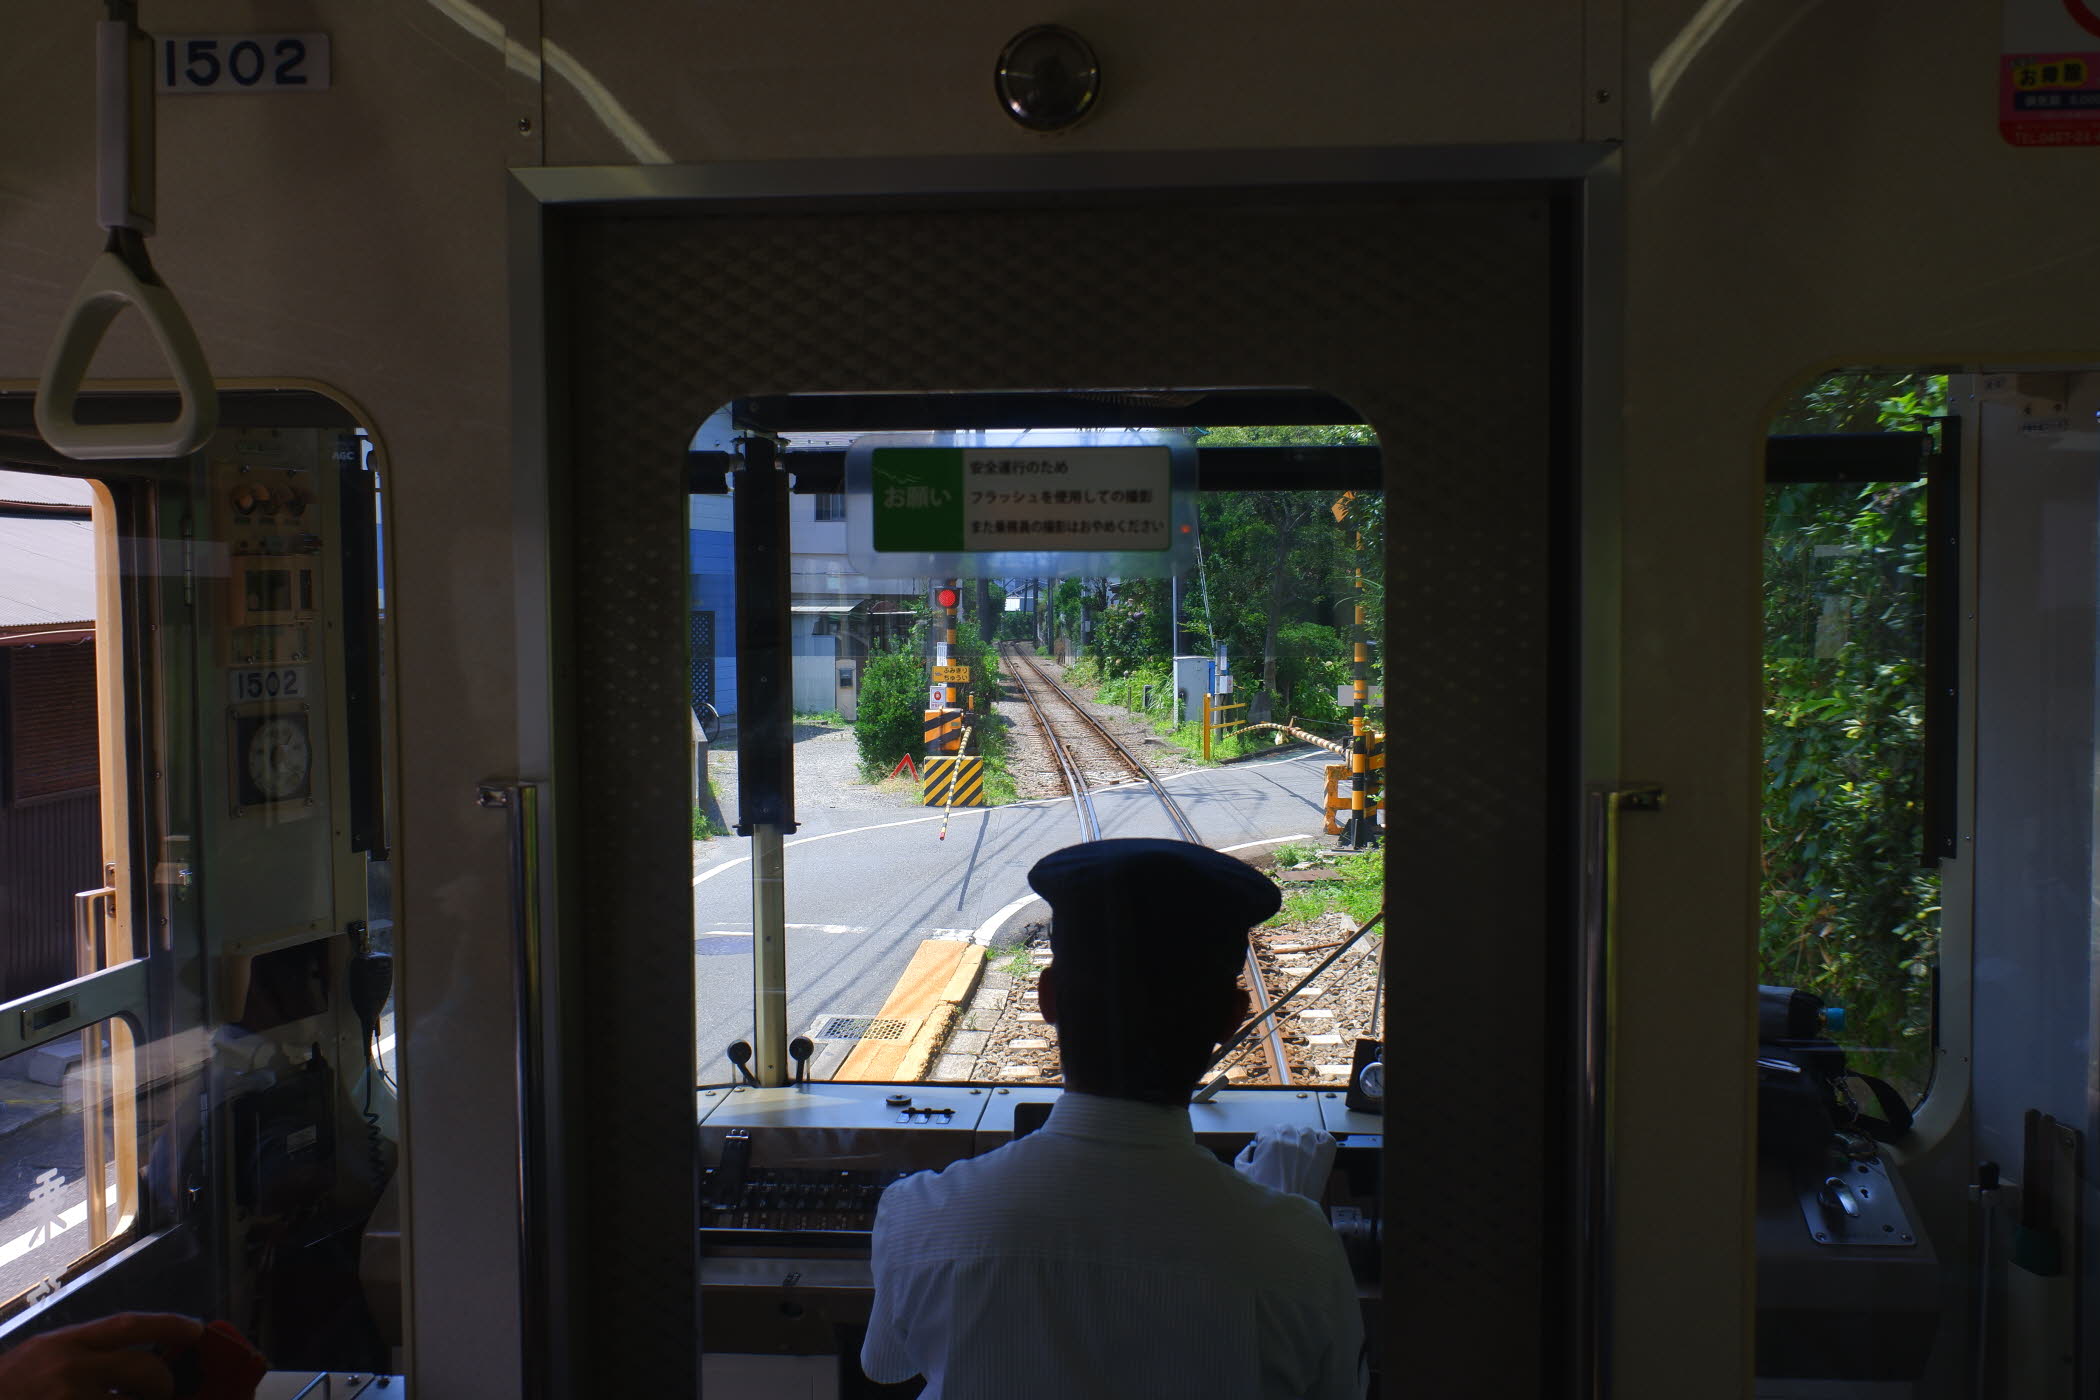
(1133, 627)
(1311, 661)
(892, 720)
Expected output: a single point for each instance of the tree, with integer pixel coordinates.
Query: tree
(1132, 629)
(1845, 911)
(1274, 557)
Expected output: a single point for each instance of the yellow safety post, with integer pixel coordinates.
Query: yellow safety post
(1363, 808)
(1211, 710)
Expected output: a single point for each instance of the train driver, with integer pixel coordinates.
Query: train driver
(1107, 1254)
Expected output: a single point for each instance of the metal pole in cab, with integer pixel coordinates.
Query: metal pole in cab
(765, 729)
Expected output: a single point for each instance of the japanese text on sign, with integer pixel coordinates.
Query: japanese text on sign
(980, 499)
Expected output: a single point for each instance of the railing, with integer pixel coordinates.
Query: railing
(1212, 726)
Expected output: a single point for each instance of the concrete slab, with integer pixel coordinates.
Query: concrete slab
(967, 1042)
(50, 1062)
(939, 978)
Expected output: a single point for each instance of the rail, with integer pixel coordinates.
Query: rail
(1075, 783)
(1068, 770)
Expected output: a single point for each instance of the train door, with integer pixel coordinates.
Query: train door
(1441, 318)
(197, 1029)
(1924, 916)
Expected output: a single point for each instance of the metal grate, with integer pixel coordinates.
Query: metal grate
(857, 1028)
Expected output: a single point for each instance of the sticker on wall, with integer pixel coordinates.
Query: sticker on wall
(2049, 73)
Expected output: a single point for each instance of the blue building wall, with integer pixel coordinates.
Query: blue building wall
(713, 582)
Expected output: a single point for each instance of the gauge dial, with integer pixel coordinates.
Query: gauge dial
(1371, 1079)
(280, 760)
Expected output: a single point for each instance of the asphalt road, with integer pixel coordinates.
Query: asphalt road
(40, 1179)
(863, 893)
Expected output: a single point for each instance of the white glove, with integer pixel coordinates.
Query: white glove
(1290, 1158)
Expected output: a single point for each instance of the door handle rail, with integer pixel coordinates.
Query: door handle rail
(1594, 1015)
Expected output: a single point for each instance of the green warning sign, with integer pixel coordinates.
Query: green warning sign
(918, 499)
(949, 499)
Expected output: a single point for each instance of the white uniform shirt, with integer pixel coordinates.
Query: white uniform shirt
(1108, 1255)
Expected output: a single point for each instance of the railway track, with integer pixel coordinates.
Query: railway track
(1067, 728)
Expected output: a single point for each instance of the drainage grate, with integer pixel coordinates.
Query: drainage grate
(857, 1028)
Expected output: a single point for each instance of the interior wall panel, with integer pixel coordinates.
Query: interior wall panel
(1431, 315)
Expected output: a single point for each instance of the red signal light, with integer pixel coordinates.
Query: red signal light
(947, 597)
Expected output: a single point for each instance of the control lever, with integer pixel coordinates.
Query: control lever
(799, 1050)
(1839, 1197)
(734, 1166)
(739, 1053)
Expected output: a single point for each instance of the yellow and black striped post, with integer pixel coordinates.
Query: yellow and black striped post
(952, 597)
(956, 781)
(944, 733)
(944, 696)
(1362, 828)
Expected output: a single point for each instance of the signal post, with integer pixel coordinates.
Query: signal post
(945, 781)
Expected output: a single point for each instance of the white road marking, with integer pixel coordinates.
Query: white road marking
(983, 937)
(43, 1234)
(731, 864)
(1271, 841)
(1249, 766)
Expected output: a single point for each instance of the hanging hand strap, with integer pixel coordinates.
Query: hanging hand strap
(123, 276)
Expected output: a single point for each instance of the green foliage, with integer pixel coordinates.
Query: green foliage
(1129, 692)
(705, 827)
(892, 718)
(1133, 627)
(1128, 689)
(1359, 893)
(1845, 910)
(1866, 402)
(1311, 661)
(820, 719)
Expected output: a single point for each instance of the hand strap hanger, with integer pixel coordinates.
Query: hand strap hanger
(123, 275)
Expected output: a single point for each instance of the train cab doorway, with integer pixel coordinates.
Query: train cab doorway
(202, 1115)
(1441, 319)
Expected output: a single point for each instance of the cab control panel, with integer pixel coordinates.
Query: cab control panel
(802, 1168)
